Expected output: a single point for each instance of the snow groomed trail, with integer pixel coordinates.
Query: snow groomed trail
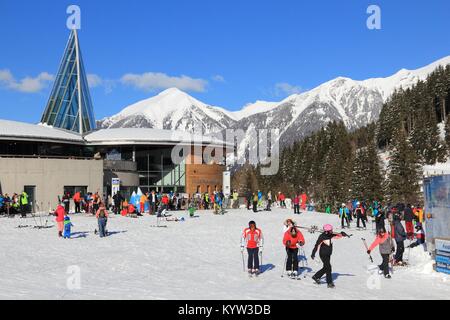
(195, 259)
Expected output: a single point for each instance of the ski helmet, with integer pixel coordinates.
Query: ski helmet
(328, 228)
(343, 205)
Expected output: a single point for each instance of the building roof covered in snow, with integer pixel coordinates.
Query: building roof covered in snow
(14, 130)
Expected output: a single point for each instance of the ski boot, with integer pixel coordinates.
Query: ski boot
(250, 273)
(331, 285)
(294, 275)
(256, 272)
(387, 276)
(289, 274)
(316, 281)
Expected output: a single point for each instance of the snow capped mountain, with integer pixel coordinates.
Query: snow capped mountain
(355, 102)
(172, 109)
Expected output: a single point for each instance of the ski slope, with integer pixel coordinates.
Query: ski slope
(195, 259)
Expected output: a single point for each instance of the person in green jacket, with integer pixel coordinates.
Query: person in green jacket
(328, 209)
(23, 201)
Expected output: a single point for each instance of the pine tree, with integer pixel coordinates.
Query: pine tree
(404, 170)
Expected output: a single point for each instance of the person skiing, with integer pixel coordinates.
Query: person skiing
(67, 227)
(293, 239)
(325, 246)
(252, 239)
(400, 237)
(383, 240)
(59, 213)
(344, 214)
(360, 215)
(102, 217)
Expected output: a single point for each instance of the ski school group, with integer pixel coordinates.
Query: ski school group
(293, 240)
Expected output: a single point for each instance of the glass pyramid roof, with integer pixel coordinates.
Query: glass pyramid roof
(69, 106)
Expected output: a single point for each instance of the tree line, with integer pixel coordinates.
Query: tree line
(381, 161)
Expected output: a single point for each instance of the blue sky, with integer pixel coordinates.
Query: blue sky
(223, 52)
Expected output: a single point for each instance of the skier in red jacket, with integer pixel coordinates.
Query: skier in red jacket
(252, 239)
(293, 239)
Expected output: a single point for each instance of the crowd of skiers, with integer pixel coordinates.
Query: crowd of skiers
(15, 204)
(293, 240)
(390, 243)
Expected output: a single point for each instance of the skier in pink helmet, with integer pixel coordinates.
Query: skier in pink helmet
(325, 247)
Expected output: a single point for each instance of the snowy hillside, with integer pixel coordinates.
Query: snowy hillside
(357, 103)
(196, 259)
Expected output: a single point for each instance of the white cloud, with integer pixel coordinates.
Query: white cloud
(27, 84)
(151, 81)
(283, 88)
(94, 80)
(218, 78)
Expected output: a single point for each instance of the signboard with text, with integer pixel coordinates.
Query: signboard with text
(442, 255)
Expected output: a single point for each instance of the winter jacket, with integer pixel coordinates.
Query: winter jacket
(297, 200)
(77, 197)
(60, 213)
(359, 210)
(343, 211)
(298, 239)
(304, 199)
(385, 243)
(324, 244)
(409, 215)
(252, 238)
(400, 234)
(24, 198)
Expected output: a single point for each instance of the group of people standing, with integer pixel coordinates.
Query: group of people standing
(15, 204)
(293, 240)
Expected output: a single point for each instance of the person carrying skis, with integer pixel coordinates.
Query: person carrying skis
(325, 246)
(384, 240)
(252, 239)
(293, 239)
(360, 215)
(344, 214)
(102, 217)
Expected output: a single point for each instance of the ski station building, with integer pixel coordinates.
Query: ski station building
(65, 152)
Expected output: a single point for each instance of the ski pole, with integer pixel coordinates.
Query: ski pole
(367, 248)
(284, 265)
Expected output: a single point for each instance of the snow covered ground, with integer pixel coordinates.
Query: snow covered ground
(195, 259)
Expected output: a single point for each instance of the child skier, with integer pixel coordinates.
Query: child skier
(253, 240)
(293, 239)
(344, 214)
(325, 247)
(67, 227)
(384, 240)
(59, 213)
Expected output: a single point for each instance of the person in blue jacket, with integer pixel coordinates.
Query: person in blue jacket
(260, 198)
(67, 227)
(344, 214)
